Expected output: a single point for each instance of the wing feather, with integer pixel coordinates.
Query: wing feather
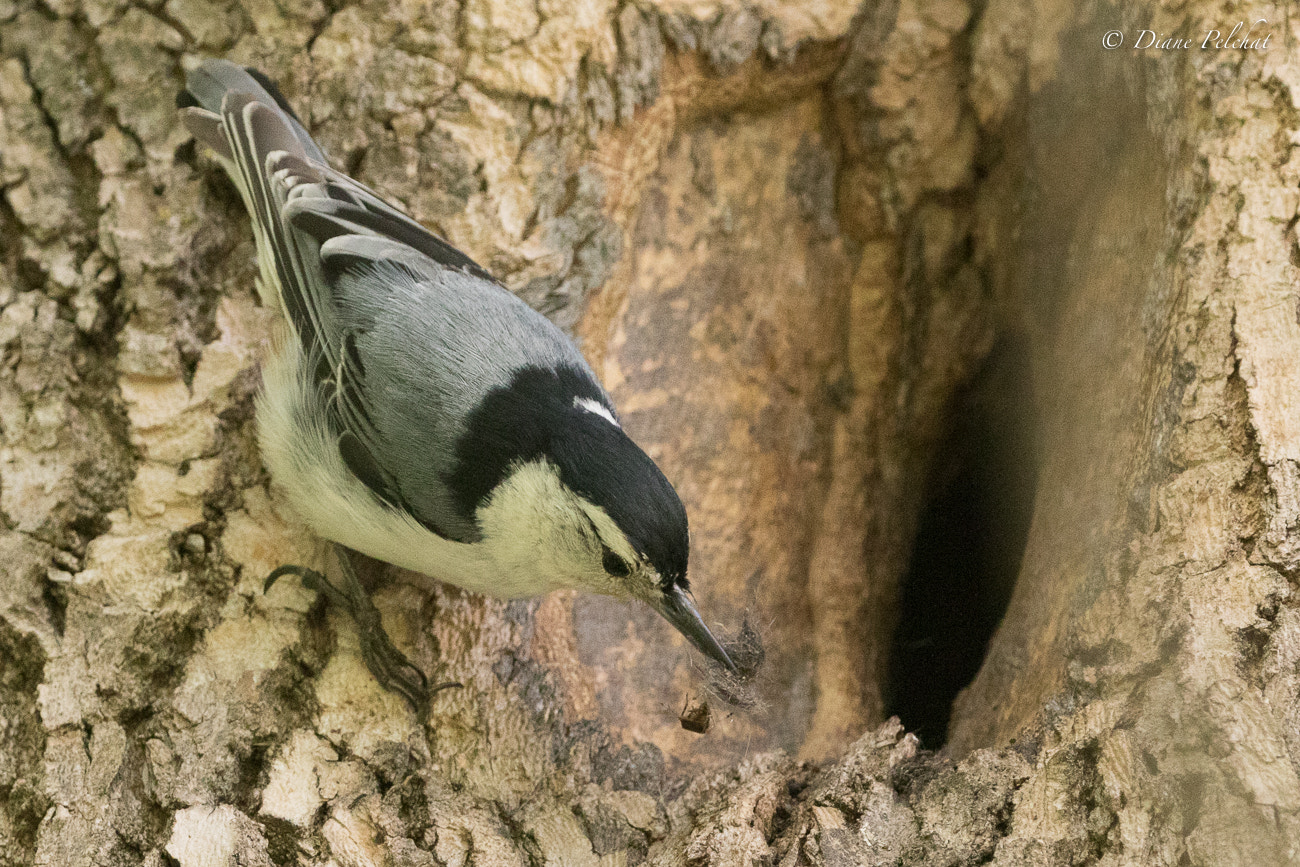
(403, 334)
(298, 205)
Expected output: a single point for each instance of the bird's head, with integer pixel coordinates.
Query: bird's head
(586, 508)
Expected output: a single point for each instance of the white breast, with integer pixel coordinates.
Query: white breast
(307, 468)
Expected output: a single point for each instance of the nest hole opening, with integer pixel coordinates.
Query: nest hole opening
(970, 539)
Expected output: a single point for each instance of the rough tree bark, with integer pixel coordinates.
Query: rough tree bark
(787, 233)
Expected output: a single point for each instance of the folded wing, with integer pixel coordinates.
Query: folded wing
(357, 279)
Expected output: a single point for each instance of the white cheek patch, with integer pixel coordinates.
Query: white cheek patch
(595, 407)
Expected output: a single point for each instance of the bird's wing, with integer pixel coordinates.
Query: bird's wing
(273, 169)
(359, 210)
(404, 335)
(427, 335)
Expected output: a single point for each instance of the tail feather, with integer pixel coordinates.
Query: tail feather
(209, 83)
(208, 129)
(261, 139)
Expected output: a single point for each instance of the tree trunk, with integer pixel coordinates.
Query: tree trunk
(799, 241)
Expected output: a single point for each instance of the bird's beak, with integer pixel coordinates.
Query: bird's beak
(679, 609)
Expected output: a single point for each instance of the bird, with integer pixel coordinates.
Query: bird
(417, 411)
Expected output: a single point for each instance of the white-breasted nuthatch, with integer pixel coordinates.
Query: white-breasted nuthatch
(419, 412)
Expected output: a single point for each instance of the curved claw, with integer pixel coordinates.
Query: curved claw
(390, 667)
(394, 671)
(308, 576)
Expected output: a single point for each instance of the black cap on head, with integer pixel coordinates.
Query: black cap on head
(538, 416)
(600, 462)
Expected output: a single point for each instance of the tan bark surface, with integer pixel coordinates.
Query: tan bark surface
(787, 234)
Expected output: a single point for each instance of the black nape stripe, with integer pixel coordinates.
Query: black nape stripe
(535, 417)
(513, 424)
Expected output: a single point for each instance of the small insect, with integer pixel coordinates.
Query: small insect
(695, 716)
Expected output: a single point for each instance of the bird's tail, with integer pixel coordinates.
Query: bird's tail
(242, 116)
(204, 101)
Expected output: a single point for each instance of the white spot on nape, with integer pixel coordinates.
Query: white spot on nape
(596, 407)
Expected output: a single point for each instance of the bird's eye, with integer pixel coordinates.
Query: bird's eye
(614, 564)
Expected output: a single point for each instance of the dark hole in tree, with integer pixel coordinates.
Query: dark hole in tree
(969, 543)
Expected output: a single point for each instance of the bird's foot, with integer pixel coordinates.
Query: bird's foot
(389, 665)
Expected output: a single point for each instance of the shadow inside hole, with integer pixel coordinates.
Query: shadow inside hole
(969, 542)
